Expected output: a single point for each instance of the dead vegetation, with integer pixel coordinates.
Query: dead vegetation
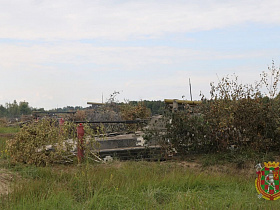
(6, 180)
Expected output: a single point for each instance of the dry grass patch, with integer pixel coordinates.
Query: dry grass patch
(6, 180)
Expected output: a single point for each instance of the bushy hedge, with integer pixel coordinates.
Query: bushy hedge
(236, 117)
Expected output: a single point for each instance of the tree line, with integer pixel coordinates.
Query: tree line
(16, 109)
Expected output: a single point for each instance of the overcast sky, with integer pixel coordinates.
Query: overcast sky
(55, 53)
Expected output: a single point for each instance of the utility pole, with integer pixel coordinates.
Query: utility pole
(190, 88)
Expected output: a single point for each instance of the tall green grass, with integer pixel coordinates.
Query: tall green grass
(3, 151)
(131, 185)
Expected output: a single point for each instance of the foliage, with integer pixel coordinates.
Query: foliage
(66, 109)
(3, 122)
(15, 109)
(236, 117)
(80, 115)
(240, 115)
(187, 132)
(24, 108)
(3, 111)
(44, 142)
(156, 107)
(184, 130)
(133, 112)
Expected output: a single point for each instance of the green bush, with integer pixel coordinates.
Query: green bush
(242, 116)
(44, 142)
(187, 132)
(237, 117)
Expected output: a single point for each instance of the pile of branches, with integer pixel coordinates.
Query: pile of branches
(44, 142)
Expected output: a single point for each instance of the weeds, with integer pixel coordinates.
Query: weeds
(131, 185)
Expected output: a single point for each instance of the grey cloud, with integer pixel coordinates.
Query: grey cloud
(70, 20)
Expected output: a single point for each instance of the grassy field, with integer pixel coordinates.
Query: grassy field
(9, 130)
(132, 185)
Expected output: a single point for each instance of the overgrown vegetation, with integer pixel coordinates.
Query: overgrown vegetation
(244, 116)
(133, 112)
(15, 109)
(44, 143)
(237, 117)
(132, 185)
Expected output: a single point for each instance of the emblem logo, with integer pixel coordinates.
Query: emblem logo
(267, 182)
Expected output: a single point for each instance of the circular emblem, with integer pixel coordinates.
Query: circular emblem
(267, 182)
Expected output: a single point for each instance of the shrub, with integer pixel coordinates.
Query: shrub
(236, 116)
(133, 112)
(185, 130)
(44, 142)
(242, 116)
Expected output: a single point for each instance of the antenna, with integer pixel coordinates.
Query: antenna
(190, 88)
(102, 98)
